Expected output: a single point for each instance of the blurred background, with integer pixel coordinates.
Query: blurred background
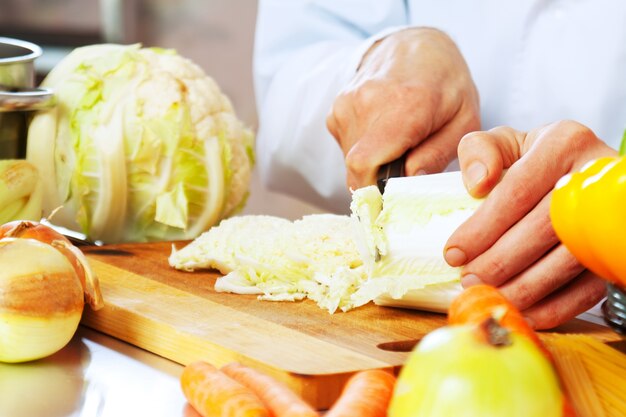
(218, 35)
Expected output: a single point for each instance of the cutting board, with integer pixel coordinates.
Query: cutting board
(179, 316)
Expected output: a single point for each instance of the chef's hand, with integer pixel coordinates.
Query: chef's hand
(412, 92)
(509, 242)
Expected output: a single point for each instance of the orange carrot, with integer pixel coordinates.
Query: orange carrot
(277, 397)
(367, 394)
(214, 394)
(480, 302)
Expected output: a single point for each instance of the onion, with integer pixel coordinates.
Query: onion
(44, 282)
(45, 234)
(476, 371)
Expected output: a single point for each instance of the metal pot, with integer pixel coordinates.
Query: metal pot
(18, 95)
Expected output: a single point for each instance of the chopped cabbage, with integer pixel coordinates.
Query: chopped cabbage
(418, 215)
(390, 250)
(314, 257)
(141, 146)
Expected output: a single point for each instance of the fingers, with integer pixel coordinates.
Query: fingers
(413, 90)
(483, 156)
(436, 152)
(384, 142)
(517, 249)
(391, 135)
(371, 134)
(526, 183)
(509, 241)
(543, 278)
(575, 298)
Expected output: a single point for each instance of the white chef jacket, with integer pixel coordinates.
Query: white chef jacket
(533, 61)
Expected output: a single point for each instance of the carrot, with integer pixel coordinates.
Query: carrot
(480, 302)
(367, 394)
(214, 394)
(277, 397)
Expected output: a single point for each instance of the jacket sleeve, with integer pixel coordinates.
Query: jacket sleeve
(305, 52)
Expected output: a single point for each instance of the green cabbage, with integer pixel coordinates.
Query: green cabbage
(142, 146)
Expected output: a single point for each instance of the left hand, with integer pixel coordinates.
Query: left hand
(509, 242)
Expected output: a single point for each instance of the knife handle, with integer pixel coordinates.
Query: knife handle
(390, 170)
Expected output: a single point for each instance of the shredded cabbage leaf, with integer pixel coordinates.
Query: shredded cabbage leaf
(314, 257)
(389, 250)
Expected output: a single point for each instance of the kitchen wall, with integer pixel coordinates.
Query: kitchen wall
(216, 34)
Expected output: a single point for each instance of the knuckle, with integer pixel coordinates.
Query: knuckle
(551, 316)
(367, 95)
(524, 296)
(435, 160)
(570, 265)
(472, 121)
(356, 163)
(524, 195)
(339, 110)
(573, 135)
(496, 272)
(474, 139)
(331, 125)
(502, 131)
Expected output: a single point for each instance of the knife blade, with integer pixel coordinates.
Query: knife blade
(77, 238)
(390, 170)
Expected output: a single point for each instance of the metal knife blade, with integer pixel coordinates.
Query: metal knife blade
(390, 170)
(77, 238)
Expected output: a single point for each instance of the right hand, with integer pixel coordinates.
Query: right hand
(413, 94)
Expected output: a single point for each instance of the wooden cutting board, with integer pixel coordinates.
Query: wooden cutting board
(178, 315)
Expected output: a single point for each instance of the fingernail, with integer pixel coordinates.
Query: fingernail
(421, 172)
(455, 257)
(474, 174)
(530, 322)
(469, 280)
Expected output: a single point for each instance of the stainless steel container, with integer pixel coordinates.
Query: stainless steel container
(614, 308)
(18, 95)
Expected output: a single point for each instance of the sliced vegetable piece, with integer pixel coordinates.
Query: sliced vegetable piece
(367, 394)
(214, 394)
(279, 399)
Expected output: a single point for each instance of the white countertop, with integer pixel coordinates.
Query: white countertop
(93, 376)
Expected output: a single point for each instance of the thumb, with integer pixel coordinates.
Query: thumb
(484, 155)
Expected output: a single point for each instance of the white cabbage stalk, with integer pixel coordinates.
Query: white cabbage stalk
(406, 237)
(390, 250)
(141, 146)
(21, 191)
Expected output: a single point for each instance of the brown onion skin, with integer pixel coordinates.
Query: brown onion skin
(26, 229)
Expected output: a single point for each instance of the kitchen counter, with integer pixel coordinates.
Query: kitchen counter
(93, 376)
(99, 376)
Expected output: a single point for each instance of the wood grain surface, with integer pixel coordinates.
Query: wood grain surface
(178, 315)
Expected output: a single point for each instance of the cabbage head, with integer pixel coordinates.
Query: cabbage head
(142, 146)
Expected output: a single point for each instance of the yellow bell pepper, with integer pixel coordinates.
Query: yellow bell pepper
(588, 213)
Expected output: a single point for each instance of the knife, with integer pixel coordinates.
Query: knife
(390, 170)
(77, 238)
